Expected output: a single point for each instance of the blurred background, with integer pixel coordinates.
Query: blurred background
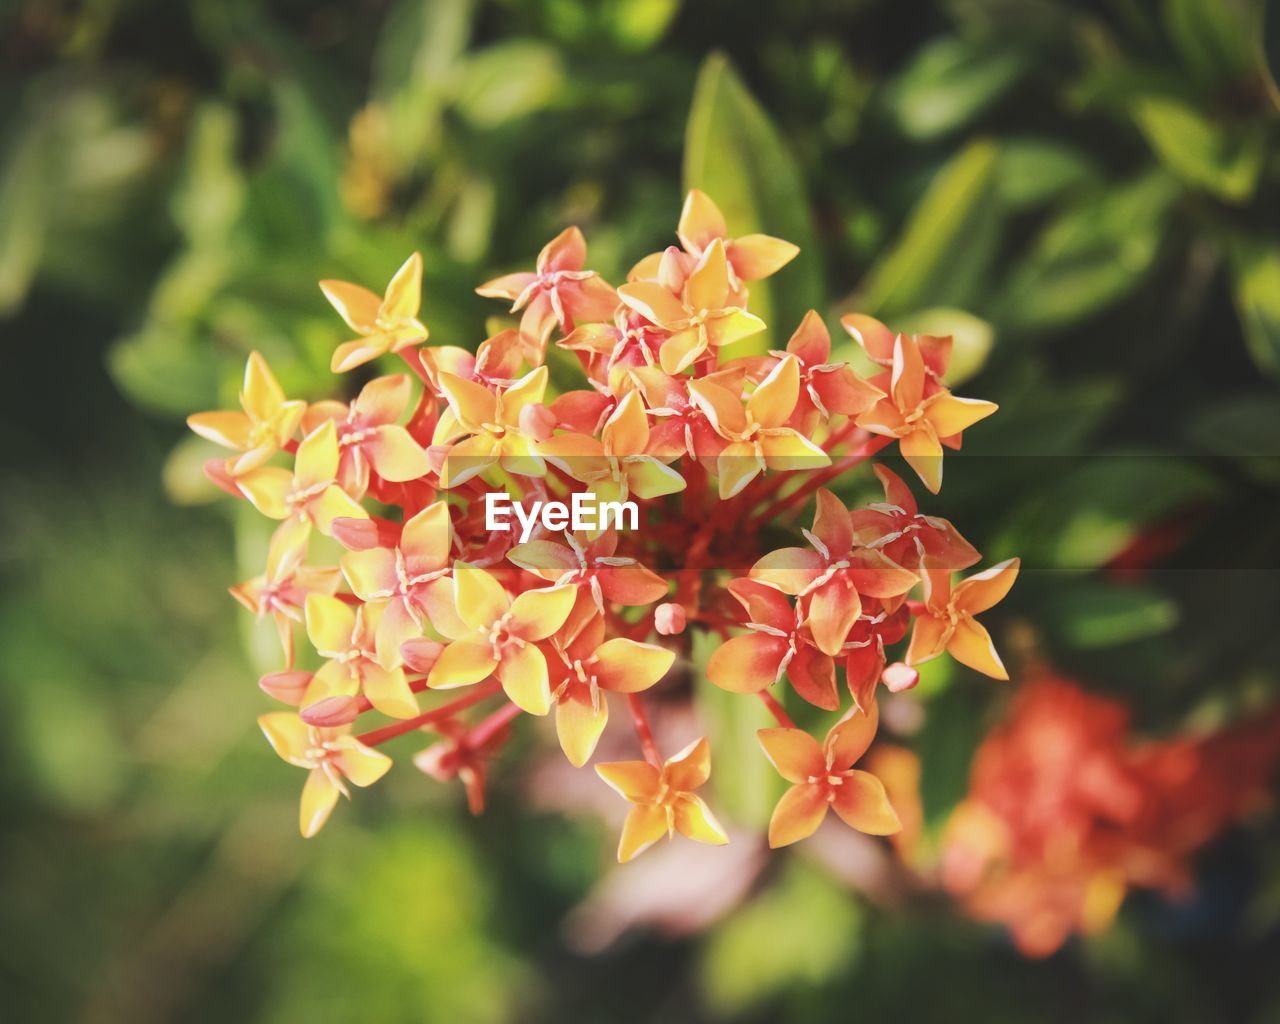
(1085, 193)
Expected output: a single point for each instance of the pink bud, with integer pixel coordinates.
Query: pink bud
(420, 654)
(537, 422)
(670, 619)
(331, 712)
(898, 677)
(286, 687)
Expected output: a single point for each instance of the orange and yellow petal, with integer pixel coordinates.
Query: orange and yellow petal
(637, 781)
(747, 664)
(645, 825)
(862, 803)
(319, 795)
(971, 645)
(627, 666)
(694, 820)
(798, 814)
(461, 663)
(523, 674)
(479, 598)
(579, 724)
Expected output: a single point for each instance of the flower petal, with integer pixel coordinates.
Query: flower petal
(479, 598)
(950, 415)
(923, 453)
(694, 820)
(637, 781)
(798, 815)
(813, 676)
(786, 449)
(626, 431)
(774, 399)
(645, 825)
(426, 539)
(985, 589)
(357, 306)
(404, 292)
(289, 735)
(461, 663)
(579, 724)
(319, 796)
(971, 645)
(862, 803)
(362, 765)
(701, 222)
(330, 623)
(747, 664)
(791, 570)
(928, 639)
(626, 666)
(689, 768)
(757, 256)
(395, 455)
(229, 429)
(794, 753)
(267, 488)
(849, 739)
(523, 673)
(631, 584)
(388, 690)
(833, 609)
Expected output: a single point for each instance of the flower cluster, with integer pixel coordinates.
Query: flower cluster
(576, 625)
(1067, 810)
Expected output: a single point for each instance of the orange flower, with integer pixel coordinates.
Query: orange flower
(703, 316)
(750, 257)
(369, 436)
(779, 641)
(407, 579)
(664, 800)
(589, 667)
(921, 413)
(615, 467)
(265, 426)
(824, 776)
(347, 637)
(826, 388)
(333, 758)
(756, 435)
(282, 591)
(387, 324)
(492, 633)
(311, 492)
(835, 575)
(558, 291)
(947, 620)
(591, 562)
(489, 420)
(897, 528)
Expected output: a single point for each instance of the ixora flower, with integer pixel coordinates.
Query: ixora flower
(458, 601)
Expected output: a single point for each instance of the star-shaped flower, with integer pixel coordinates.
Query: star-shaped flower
(835, 575)
(896, 527)
(405, 577)
(262, 429)
(311, 492)
(947, 623)
(585, 669)
(664, 800)
(387, 324)
(756, 435)
(591, 562)
(701, 318)
(558, 291)
(333, 758)
(922, 418)
(282, 590)
(489, 421)
(493, 633)
(616, 466)
(369, 435)
(823, 777)
(347, 637)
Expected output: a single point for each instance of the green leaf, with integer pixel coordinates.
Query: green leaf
(735, 155)
(507, 81)
(1034, 171)
(799, 933)
(1246, 428)
(950, 82)
(1256, 278)
(938, 238)
(1204, 153)
(744, 785)
(1100, 506)
(1214, 37)
(25, 167)
(1088, 615)
(1089, 257)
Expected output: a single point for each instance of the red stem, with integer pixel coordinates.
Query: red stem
(780, 716)
(643, 732)
(484, 732)
(795, 500)
(390, 732)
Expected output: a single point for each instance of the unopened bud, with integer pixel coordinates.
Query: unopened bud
(670, 619)
(537, 422)
(286, 687)
(420, 654)
(331, 712)
(898, 677)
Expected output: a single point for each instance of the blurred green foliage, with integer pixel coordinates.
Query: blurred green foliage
(1085, 193)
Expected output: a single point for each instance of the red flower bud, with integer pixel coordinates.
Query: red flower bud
(286, 687)
(331, 712)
